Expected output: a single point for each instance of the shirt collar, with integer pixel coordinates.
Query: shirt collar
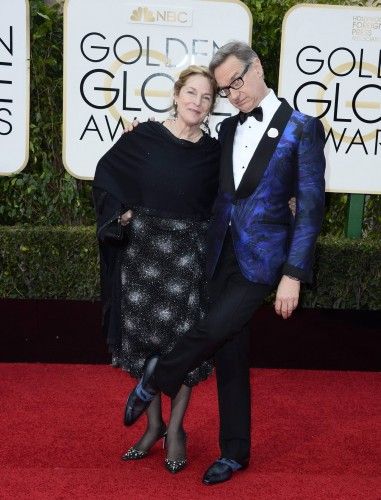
(269, 104)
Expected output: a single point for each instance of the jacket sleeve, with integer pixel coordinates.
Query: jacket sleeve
(310, 196)
(222, 131)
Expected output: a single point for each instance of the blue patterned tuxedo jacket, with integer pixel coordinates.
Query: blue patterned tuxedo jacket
(268, 241)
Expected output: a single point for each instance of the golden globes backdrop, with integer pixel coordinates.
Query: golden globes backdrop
(14, 85)
(121, 59)
(331, 68)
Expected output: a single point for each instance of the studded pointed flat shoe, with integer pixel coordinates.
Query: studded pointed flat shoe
(136, 454)
(175, 466)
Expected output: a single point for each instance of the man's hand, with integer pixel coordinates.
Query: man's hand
(287, 296)
(126, 217)
(130, 127)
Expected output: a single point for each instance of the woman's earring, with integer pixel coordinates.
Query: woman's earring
(174, 109)
(206, 124)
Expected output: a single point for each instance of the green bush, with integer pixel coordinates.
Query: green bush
(348, 274)
(44, 193)
(62, 263)
(49, 262)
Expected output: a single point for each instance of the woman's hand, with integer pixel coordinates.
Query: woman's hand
(126, 217)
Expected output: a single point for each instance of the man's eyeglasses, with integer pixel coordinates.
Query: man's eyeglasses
(235, 84)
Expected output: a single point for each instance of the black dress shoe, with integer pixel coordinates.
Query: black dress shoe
(142, 395)
(221, 470)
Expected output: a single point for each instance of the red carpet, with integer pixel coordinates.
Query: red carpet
(316, 436)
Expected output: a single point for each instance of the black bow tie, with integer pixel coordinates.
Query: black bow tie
(256, 112)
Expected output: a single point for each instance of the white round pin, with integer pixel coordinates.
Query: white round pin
(273, 132)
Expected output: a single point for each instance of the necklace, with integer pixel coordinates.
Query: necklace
(171, 125)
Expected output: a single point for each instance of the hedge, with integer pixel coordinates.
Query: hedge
(62, 263)
(59, 262)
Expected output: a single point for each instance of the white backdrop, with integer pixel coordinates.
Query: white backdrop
(331, 67)
(121, 58)
(14, 85)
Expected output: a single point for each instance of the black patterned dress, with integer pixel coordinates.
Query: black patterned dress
(159, 285)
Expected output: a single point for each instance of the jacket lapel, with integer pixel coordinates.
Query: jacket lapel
(263, 153)
(226, 173)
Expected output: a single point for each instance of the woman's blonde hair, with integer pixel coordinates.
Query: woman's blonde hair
(195, 70)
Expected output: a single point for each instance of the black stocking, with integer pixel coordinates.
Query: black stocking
(155, 426)
(176, 438)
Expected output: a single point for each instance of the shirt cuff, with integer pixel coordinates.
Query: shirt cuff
(297, 273)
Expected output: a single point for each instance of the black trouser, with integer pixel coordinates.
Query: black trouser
(223, 333)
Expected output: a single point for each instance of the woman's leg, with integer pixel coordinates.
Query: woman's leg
(154, 430)
(155, 426)
(176, 437)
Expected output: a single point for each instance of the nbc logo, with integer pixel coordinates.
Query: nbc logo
(161, 15)
(142, 14)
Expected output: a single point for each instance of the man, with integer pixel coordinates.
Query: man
(269, 153)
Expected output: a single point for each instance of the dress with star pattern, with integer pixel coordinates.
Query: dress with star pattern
(163, 290)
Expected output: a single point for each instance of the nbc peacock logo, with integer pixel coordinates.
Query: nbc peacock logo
(142, 14)
(161, 15)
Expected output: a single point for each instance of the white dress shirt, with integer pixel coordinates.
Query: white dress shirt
(248, 135)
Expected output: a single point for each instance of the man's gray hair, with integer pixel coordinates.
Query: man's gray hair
(240, 50)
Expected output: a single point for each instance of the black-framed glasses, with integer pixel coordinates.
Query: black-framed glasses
(235, 84)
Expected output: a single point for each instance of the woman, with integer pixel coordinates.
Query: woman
(159, 183)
